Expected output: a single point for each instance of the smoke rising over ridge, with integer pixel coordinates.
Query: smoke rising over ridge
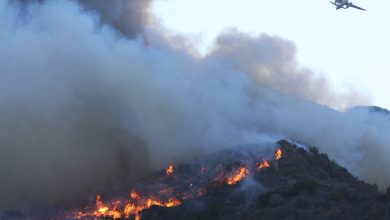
(84, 103)
(271, 62)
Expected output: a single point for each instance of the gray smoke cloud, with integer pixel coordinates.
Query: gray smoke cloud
(271, 61)
(128, 17)
(85, 104)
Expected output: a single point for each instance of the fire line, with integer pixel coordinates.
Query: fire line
(133, 207)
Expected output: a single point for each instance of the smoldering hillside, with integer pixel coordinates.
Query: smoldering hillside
(91, 95)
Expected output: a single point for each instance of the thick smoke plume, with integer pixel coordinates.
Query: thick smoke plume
(271, 61)
(128, 17)
(85, 104)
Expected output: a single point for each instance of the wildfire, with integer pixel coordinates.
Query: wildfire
(263, 165)
(142, 203)
(119, 209)
(169, 170)
(238, 176)
(105, 210)
(166, 197)
(278, 154)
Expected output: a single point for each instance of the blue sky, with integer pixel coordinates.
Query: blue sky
(350, 47)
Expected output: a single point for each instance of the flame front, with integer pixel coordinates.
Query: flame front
(238, 176)
(119, 209)
(132, 207)
(103, 210)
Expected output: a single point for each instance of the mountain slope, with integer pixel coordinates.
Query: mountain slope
(298, 183)
(301, 185)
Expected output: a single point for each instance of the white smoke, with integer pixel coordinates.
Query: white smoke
(84, 103)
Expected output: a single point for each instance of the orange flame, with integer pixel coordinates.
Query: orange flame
(133, 207)
(239, 175)
(141, 204)
(263, 165)
(169, 170)
(278, 154)
(119, 210)
(103, 210)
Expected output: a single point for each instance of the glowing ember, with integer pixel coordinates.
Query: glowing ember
(278, 154)
(169, 170)
(238, 176)
(263, 165)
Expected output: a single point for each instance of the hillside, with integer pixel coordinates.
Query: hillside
(301, 183)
